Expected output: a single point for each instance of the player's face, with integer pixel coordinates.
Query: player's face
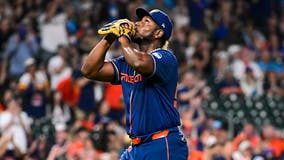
(145, 29)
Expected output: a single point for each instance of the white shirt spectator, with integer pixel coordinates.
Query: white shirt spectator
(61, 115)
(181, 16)
(57, 70)
(53, 32)
(250, 85)
(239, 68)
(16, 130)
(39, 80)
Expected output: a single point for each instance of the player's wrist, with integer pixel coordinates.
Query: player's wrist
(123, 39)
(110, 38)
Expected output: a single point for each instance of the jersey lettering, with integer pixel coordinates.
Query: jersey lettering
(131, 79)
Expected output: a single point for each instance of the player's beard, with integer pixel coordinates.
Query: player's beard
(148, 38)
(137, 40)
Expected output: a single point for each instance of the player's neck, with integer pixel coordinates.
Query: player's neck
(149, 47)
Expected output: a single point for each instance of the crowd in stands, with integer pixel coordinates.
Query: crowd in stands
(225, 48)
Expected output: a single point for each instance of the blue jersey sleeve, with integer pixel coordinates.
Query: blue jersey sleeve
(117, 66)
(164, 65)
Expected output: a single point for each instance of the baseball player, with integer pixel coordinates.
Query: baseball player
(148, 74)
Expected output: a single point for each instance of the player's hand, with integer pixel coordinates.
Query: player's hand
(121, 27)
(128, 29)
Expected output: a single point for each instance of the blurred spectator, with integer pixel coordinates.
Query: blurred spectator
(113, 52)
(193, 39)
(1, 107)
(33, 86)
(246, 60)
(193, 118)
(163, 4)
(73, 57)
(207, 140)
(228, 150)
(180, 12)
(272, 85)
(104, 110)
(90, 121)
(52, 28)
(87, 101)
(272, 146)
(259, 43)
(196, 13)
(115, 137)
(178, 45)
(251, 86)
(87, 98)
(275, 47)
(88, 38)
(266, 63)
(228, 84)
(234, 51)
(71, 25)
(220, 63)
(271, 26)
(214, 152)
(77, 145)
(189, 88)
(70, 89)
(38, 148)
(194, 154)
(244, 151)
(109, 136)
(59, 148)
(5, 32)
(247, 34)
(235, 30)
(222, 30)
(132, 5)
(219, 130)
(57, 67)
(8, 94)
(89, 152)
(15, 125)
(267, 8)
(201, 59)
(249, 136)
(3, 74)
(21, 46)
(112, 10)
(114, 98)
(60, 112)
(4, 141)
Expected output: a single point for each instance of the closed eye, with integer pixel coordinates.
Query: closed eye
(147, 19)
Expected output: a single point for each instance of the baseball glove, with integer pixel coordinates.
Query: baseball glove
(116, 28)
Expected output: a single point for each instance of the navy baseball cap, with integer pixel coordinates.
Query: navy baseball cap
(160, 17)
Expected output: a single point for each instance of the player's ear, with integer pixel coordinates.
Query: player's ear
(159, 33)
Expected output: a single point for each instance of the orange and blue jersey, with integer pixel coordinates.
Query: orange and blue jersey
(149, 100)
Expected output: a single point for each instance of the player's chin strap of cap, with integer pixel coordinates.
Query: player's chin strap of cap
(157, 135)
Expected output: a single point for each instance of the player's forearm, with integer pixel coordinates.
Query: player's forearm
(139, 61)
(95, 59)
